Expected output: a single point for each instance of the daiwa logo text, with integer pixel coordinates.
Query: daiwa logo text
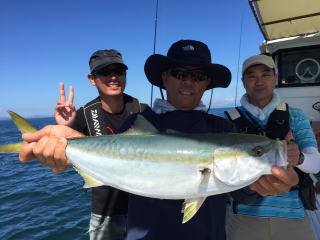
(96, 123)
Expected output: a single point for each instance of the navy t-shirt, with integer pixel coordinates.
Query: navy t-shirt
(156, 219)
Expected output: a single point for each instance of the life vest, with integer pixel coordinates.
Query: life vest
(277, 125)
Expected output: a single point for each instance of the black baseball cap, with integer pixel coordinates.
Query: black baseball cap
(102, 58)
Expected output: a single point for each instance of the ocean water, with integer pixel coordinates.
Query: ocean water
(34, 202)
(37, 204)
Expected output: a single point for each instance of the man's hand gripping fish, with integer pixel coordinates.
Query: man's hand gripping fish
(145, 162)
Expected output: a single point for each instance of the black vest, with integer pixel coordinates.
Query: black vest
(277, 125)
(277, 128)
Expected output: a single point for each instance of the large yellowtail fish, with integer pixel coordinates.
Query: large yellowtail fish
(145, 162)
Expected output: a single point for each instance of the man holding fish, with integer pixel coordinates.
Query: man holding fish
(262, 112)
(186, 72)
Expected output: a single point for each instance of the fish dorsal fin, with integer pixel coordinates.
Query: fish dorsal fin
(23, 125)
(141, 127)
(89, 181)
(190, 207)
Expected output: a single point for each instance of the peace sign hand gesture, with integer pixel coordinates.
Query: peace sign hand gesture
(65, 111)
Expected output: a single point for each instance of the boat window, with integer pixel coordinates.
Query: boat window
(299, 67)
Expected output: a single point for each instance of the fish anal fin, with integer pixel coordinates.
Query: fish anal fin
(89, 181)
(190, 207)
(141, 126)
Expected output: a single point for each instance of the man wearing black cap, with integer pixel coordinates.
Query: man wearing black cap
(101, 116)
(186, 72)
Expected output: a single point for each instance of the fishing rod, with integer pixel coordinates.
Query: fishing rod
(154, 48)
(239, 51)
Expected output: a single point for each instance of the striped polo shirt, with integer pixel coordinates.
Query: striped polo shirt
(285, 205)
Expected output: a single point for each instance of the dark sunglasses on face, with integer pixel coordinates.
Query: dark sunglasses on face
(108, 73)
(196, 75)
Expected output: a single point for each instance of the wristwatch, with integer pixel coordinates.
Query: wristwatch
(301, 158)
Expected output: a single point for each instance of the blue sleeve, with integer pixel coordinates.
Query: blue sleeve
(301, 129)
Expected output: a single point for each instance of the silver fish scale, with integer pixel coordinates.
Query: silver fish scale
(168, 166)
(150, 147)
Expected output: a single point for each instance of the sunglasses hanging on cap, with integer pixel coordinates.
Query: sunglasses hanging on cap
(196, 75)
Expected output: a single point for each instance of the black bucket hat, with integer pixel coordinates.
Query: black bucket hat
(187, 53)
(102, 58)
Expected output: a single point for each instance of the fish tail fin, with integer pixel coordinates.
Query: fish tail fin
(12, 148)
(190, 207)
(89, 181)
(23, 127)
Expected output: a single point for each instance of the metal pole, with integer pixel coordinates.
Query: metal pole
(154, 45)
(239, 51)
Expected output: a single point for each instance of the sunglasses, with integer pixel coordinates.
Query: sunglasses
(196, 75)
(108, 73)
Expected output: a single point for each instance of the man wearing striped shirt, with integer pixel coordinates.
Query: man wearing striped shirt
(281, 216)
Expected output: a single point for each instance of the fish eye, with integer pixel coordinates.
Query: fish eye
(258, 151)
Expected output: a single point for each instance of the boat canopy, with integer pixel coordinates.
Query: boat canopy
(286, 18)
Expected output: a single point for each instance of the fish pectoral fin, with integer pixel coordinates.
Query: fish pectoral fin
(190, 207)
(89, 181)
(141, 126)
(12, 148)
(23, 125)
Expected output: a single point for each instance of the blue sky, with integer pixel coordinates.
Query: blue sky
(45, 42)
